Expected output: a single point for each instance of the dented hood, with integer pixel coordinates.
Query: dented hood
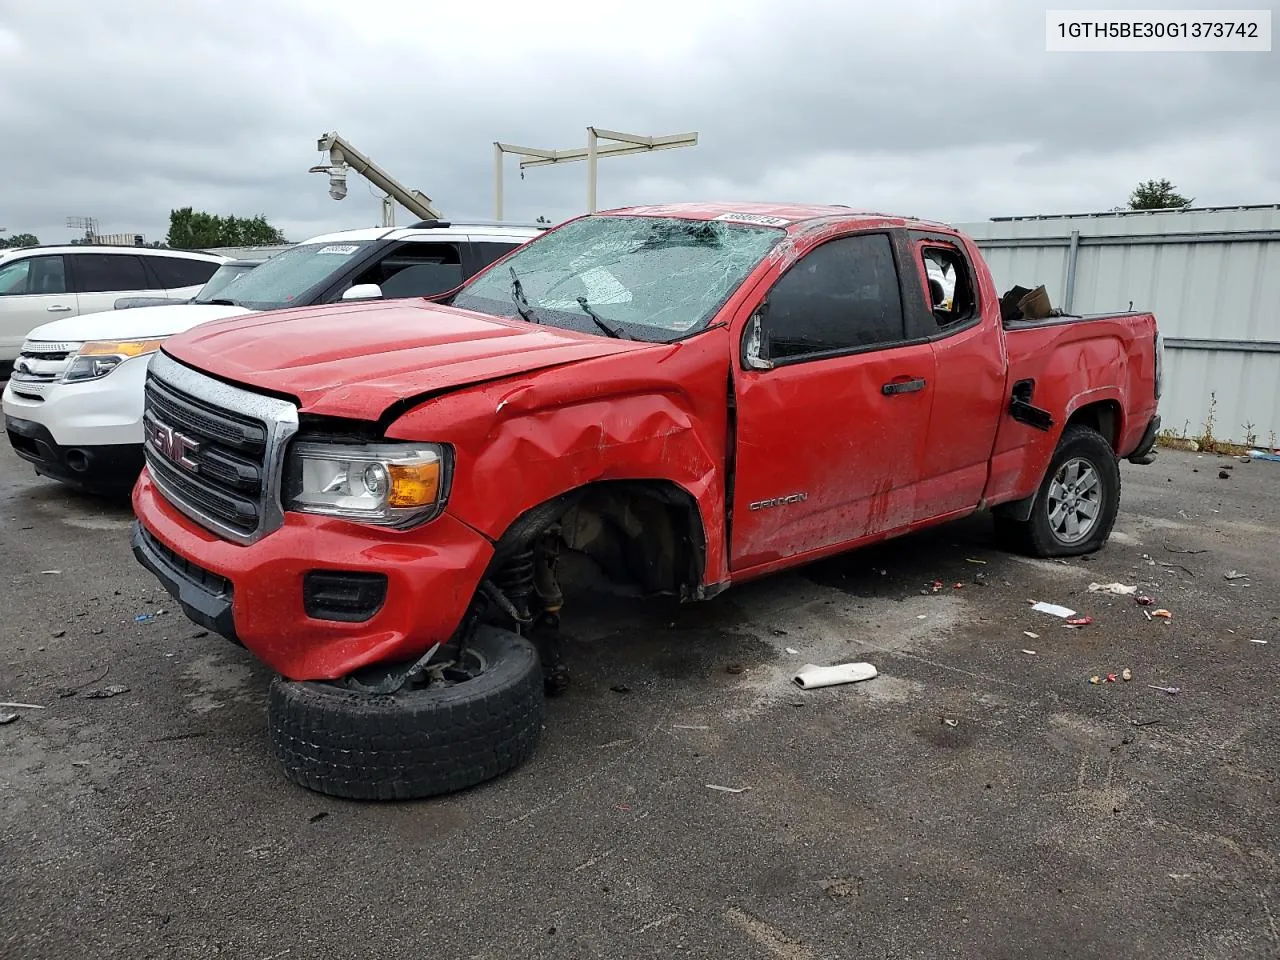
(356, 360)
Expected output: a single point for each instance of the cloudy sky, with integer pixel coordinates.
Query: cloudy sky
(124, 109)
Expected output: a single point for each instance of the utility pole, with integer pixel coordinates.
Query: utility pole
(342, 155)
(623, 145)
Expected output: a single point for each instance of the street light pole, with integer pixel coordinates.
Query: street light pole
(623, 145)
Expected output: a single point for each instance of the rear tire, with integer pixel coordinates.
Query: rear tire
(418, 742)
(1076, 506)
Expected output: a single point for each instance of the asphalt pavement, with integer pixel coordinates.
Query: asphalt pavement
(979, 798)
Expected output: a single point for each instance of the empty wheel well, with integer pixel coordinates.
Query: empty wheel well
(1103, 416)
(646, 533)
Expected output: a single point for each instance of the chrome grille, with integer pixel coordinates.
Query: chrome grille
(216, 451)
(43, 361)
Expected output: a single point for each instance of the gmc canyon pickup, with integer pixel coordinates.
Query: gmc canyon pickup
(372, 497)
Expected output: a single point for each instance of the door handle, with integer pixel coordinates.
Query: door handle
(58, 308)
(895, 387)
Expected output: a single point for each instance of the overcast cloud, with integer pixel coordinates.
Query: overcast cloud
(124, 109)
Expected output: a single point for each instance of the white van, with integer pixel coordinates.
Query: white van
(38, 284)
(73, 406)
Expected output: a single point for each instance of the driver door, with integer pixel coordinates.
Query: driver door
(833, 407)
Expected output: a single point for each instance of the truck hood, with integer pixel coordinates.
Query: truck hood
(356, 360)
(139, 323)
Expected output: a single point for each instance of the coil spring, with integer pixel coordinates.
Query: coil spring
(515, 580)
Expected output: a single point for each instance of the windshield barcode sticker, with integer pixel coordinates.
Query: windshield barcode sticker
(342, 249)
(758, 218)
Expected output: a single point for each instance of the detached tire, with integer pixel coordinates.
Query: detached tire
(416, 743)
(1075, 508)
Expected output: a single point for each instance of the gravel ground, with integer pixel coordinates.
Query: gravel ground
(974, 800)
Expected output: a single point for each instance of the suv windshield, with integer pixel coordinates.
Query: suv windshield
(221, 279)
(282, 279)
(651, 278)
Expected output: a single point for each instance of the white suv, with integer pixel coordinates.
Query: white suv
(38, 284)
(73, 406)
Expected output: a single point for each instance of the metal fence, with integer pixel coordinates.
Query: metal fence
(1211, 276)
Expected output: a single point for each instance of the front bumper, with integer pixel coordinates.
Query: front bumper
(104, 469)
(103, 412)
(254, 595)
(1145, 452)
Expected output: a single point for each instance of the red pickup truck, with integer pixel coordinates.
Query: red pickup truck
(372, 498)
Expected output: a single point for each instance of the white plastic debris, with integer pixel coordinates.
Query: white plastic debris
(1033, 636)
(716, 786)
(792, 650)
(1029, 653)
(811, 676)
(1235, 575)
(1053, 610)
(1119, 589)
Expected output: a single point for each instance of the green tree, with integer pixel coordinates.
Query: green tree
(1157, 195)
(20, 240)
(195, 229)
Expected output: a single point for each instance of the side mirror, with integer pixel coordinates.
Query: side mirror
(363, 291)
(754, 349)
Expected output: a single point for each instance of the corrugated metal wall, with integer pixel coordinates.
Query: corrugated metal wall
(1211, 276)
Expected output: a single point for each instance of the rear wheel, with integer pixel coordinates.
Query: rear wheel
(470, 721)
(1075, 508)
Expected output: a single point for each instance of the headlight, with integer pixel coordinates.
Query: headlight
(389, 484)
(97, 358)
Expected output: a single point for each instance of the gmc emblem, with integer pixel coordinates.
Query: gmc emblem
(175, 446)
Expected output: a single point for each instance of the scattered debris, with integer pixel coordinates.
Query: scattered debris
(1224, 475)
(1033, 636)
(1145, 723)
(957, 586)
(1177, 566)
(1176, 550)
(72, 691)
(734, 668)
(792, 650)
(620, 688)
(199, 634)
(950, 723)
(1235, 575)
(1079, 621)
(716, 786)
(811, 676)
(1143, 600)
(1053, 609)
(937, 585)
(839, 887)
(1119, 589)
(58, 634)
(21, 706)
(1162, 613)
(316, 818)
(1263, 642)
(923, 616)
(1126, 674)
(50, 572)
(7, 718)
(144, 618)
(1030, 653)
(689, 726)
(1172, 691)
(1146, 614)
(971, 560)
(104, 693)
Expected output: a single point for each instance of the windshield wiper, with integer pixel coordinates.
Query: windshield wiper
(518, 297)
(602, 323)
(218, 303)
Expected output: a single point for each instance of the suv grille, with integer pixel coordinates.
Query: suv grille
(218, 465)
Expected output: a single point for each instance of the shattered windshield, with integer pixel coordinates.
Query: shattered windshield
(649, 278)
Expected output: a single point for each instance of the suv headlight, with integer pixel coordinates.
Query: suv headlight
(95, 359)
(388, 484)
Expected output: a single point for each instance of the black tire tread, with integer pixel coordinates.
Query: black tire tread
(1029, 536)
(419, 744)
